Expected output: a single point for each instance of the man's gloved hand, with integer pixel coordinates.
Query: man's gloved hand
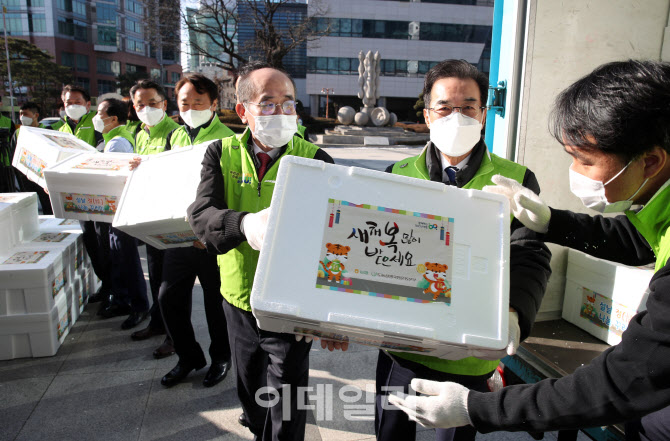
(526, 205)
(444, 405)
(513, 337)
(254, 226)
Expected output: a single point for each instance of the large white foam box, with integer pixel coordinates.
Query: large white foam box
(31, 280)
(69, 244)
(154, 203)
(37, 149)
(602, 296)
(88, 186)
(385, 260)
(18, 219)
(35, 335)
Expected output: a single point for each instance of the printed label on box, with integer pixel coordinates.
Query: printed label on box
(25, 257)
(8, 198)
(604, 312)
(63, 324)
(69, 222)
(89, 203)
(363, 341)
(58, 284)
(175, 238)
(51, 237)
(79, 261)
(64, 141)
(102, 163)
(32, 162)
(385, 252)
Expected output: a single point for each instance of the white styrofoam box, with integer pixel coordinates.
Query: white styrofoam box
(353, 259)
(76, 294)
(88, 186)
(94, 283)
(602, 296)
(23, 222)
(35, 335)
(61, 242)
(55, 225)
(38, 149)
(31, 279)
(153, 205)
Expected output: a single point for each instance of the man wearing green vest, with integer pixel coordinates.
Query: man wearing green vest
(79, 121)
(7, 175)
(197, 98)
(228, 216)
(150, 102)
(455, 94)
(127, 277)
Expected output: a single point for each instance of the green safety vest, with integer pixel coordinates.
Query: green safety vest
(491, 165)
(301, 131)
(84, 129)
(244, 193)
(118, 132)
(150, 144)
(133, 126)
(653, 223)
(57, 125)
(215, 130)
(6, 123)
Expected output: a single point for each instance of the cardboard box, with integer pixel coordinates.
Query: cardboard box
(37, 149)
(88, 186)
(602, 296)
(385, 260)
(31, 280)
(35, 335)
(153, 205)
(18, 219)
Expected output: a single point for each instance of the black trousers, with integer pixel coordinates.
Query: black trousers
(392, 423)
(96, 242)
(261, 359)
(127, 278)
(652, 427)
(27, 185)
(180, 268)
(155, 266)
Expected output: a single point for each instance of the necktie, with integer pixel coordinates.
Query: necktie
(265, 159)
(451, 173)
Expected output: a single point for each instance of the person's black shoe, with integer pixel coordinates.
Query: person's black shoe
(134, 319)
(114, 310)
(165, 350)
(216, 373)
(146, 333)
(179, 372)
(101, 295)
(244, 422)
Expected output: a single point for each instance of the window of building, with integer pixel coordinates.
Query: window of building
(37, 23)
(133, 26)
(35, 3)
(175, 77)
(14, 24)
(134, 6)
(106, 36)
(74, 6)
(83, 82)
(65, 26)
(106, 14)
(135, 45)
(82, 63)
(155, 74)
(67, 59)
(108, 67)
(12, 4)
(106, 86)
(80, 30)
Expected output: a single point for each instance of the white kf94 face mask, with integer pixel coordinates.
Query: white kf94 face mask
(455, 134)
(592, 192)
(75, 111)
(150, 115)
(275, 130)
(196, 118)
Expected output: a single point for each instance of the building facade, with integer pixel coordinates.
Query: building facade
(98, 40)
(411, 37)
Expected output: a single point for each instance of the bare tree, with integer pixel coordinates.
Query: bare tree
(161, 29)
(214, 29)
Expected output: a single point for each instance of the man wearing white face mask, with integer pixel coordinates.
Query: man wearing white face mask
(615, 123)
(29, 115)
(229, 216)
(79, 116)
(455, 93)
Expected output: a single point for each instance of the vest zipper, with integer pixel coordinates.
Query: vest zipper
(259, 188)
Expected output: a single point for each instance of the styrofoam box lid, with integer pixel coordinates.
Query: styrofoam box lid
(29, 266)
(627, 284)
(303, 225)
(93, 164)
(18, 200)
(36, 322)
(50, 223)
(33, 138)
(55, 239)
(162, 187)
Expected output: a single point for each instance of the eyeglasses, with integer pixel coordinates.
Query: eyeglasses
(445, 110)
(150, 104)
(269, 108)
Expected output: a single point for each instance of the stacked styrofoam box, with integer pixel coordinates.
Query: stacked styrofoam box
(37, 149)
(18, 219)
(88, 186)
(602, 296)
(405, 230)
(154, 202)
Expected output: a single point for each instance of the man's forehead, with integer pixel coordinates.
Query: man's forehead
(271, 83)
(148, 93)
(453, 88)
(74, 96)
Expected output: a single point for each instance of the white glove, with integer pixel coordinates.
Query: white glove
(299, 337)
(444, 406)
(253, 226)
(514, 335)
(526, 205)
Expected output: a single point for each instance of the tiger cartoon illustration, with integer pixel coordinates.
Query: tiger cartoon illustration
(336, 255)
(436, 276)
